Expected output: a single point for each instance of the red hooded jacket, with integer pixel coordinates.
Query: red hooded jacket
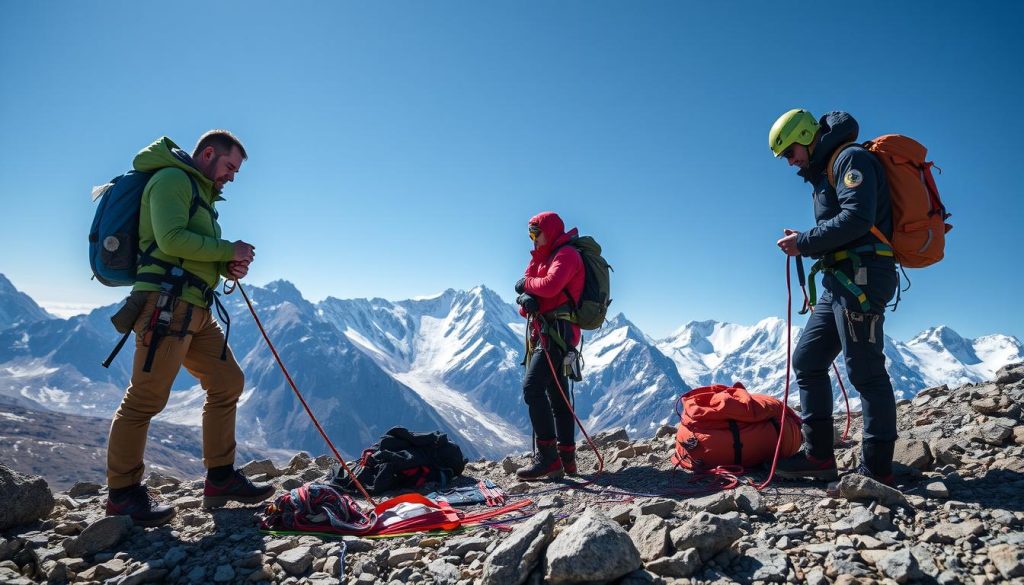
(550, 274)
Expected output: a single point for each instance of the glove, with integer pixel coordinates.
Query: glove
(521, 286)
(528, 303)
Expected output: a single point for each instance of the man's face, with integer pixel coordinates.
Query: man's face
(797, 156)
(220, 168)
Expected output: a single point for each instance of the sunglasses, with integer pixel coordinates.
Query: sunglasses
(788, 153)
(534, 231)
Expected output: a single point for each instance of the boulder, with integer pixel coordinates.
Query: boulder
(512, 561)
(26, 498)
(594, 548)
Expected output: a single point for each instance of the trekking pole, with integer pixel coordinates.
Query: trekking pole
(288, 377)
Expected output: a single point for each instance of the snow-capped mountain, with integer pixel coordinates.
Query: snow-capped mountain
(450, 362)
(16, 307)
(709, 352)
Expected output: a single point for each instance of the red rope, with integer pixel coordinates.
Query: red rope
(297, 393)
(789, 361)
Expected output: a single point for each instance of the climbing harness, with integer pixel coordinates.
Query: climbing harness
(230, 288)
(827, 265)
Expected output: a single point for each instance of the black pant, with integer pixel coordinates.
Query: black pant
(549, 413)
(839, 323)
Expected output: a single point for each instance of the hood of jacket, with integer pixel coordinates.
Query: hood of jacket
(554, 232)
(164, 153)
(837, 128)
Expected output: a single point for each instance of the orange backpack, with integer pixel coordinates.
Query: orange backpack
(918, 215)
(726, 425)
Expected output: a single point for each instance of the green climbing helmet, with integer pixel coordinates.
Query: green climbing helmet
(795, 126)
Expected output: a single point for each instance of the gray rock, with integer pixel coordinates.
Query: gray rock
(859, 521)
(749, 499)
(936, 489)
(661, 507)
(444, 573)
(997, 430)
(460, 546)
(913, 453)
(767, 564)
(264, 466)
(104, 571)
(148, 573)
(594, 548)
(622, 513)
(716, 503)
(610, 437)
(854, 486)
(9, 547)
(900, 566)
(509, 466)
(682, 564)
(708, 533)
(324, 462)
(223, 574)
(1010, 374)
(650, 535)
(299, 462)
(197, 574)
(949, 532)
(103, 534)
(26, 498)
(511, 561)
(1008, 560)
(296, 561)
(174, 555)
(84, 488)
(401, 555)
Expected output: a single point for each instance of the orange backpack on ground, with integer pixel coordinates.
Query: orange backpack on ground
(918, 216)
(726, 425)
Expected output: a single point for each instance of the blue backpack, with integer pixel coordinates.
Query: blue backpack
(114, 237)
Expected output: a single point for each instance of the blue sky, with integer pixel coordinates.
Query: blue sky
(398, 148)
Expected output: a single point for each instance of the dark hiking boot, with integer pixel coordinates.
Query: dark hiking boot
(237, 488)
(888, 480)
(137, 503)
(805, 466)
(876, 461)
(546, 463)
(567, 453)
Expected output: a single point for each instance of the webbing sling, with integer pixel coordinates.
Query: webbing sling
(827, 266)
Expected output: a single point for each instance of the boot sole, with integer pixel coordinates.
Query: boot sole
(823, 475)
(221, 501)
(549, 475)
(153, 522)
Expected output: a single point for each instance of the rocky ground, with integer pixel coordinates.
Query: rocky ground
(957, 517)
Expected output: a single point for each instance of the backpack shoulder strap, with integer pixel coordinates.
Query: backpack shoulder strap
(830, 169)
(197, 201)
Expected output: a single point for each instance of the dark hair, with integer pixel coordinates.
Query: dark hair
(221, 140)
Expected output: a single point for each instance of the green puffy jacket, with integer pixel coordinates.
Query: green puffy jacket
(192, 242)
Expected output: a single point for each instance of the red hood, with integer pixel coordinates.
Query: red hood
(553, 229)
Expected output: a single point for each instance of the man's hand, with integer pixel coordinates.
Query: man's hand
(521, 286)
(238, 270)
(244, 252)
(788, 243)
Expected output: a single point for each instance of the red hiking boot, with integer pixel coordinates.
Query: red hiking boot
(567, 453)
(546, 463)
(236, 488)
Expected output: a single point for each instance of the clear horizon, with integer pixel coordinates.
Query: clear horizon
(399, 149)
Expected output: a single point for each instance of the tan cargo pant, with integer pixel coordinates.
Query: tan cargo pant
(147, 394)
